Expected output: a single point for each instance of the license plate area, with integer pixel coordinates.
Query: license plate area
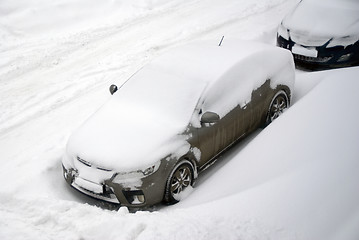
(308, 52)
(90, 186)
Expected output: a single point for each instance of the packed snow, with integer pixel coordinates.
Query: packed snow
(296, 179)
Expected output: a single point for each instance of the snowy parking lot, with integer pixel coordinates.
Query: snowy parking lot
(295, 179)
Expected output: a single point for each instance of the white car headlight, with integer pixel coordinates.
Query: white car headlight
(67, 160)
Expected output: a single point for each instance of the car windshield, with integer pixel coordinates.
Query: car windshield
(164, 96)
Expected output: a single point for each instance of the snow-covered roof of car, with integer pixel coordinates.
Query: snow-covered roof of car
(181, 75)
(206, 61)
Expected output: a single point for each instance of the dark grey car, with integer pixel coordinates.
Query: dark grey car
(173, 117)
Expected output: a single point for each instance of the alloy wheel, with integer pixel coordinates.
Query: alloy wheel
(278, 106)
(181, 179)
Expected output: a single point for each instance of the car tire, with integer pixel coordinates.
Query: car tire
(277, 106)
(181, 177)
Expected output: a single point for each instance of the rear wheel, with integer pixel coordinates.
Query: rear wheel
(278, 105)
(180, 179)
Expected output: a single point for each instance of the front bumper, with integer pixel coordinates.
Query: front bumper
(95, 190)
(321, 57)
(134, 192)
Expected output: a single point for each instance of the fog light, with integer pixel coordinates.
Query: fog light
(345, 57)
(138, 199)
(134, 197)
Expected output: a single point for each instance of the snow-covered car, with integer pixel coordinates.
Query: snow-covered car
(173, 118)
(322, 34)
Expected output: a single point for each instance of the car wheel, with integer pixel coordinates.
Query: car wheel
(277, 106)
(180, 178)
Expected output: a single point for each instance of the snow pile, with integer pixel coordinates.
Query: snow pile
(300, 172)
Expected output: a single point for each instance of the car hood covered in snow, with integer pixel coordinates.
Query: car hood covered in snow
(315, 22)
(141, 124)
(124, 137)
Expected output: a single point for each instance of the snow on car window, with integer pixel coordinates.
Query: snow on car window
(236, 85)
(169, 96)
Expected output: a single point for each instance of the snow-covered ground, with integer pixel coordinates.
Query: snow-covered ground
(296, 179)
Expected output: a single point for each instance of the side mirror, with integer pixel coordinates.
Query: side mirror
(209, 117)
(113, 89)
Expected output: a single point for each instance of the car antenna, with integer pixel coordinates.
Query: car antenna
(220, 43)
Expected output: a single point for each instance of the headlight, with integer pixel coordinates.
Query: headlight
(150, 170)
(345, 57)
(121, 176)
(343, 41)
(282, 31)
(67, 160)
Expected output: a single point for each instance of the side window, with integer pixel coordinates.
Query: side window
(224, 94)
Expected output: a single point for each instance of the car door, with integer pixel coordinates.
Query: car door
(260, 101)
(215, 137)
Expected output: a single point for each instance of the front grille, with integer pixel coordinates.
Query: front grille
(107, 194)
(104, 169)
(311, 59)
(83, 161)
